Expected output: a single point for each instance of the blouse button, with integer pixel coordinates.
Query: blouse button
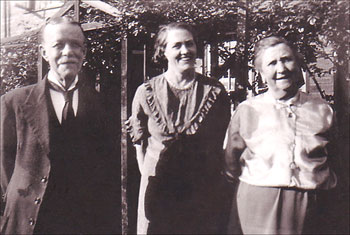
(292, 146)
(293, 166)
(290, 115)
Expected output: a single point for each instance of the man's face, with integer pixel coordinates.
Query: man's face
(280, 70)
(64, 49)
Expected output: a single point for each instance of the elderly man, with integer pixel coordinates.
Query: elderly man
(56, 171)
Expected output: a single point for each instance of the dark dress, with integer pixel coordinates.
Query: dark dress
(181, 187)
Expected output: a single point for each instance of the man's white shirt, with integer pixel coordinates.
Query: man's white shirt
(57, 97)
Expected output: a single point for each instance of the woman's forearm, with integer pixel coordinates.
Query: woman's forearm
(140, 156)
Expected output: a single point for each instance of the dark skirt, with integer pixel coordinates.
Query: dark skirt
(187, 194)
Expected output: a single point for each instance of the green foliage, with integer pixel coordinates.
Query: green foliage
(140, 20)
(19, 63)
(320, 29)
(317, 28)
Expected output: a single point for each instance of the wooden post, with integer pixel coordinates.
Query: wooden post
(76, 10)
(9, 20)
(206, 61)
(124, 140)
(214, 58)
(246, 40)
(242, 40)
(5, 19)
(144, 62)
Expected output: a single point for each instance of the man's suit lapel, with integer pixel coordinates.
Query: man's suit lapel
(35, 111)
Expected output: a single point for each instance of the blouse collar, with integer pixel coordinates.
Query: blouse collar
(293, 101)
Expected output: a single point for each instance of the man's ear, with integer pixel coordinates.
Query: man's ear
(43, 52)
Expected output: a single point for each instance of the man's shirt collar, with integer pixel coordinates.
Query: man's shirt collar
(52, 77)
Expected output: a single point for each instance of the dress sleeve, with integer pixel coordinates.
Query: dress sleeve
(234, 147)
(137, 124)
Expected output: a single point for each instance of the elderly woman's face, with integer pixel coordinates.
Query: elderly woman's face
(180, 50)
(280, 70)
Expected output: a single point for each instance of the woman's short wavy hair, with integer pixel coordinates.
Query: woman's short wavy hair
(160, 42)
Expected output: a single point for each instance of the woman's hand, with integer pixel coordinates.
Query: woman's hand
(140, 156)
(128, 126)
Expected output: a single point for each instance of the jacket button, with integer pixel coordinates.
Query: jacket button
(43, 180)
(37, 200)
(31, 221)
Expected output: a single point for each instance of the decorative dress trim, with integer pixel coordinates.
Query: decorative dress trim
(151, 101)
(208, 103)
(212, 94)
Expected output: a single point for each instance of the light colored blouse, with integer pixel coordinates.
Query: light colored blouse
(281, 144)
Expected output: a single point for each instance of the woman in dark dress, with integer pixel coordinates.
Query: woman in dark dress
(178, 123)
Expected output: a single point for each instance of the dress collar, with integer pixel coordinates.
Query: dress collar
(156, 92)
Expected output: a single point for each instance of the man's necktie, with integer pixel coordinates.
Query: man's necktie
(67, 112)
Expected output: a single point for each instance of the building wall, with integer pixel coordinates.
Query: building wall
(18, 17)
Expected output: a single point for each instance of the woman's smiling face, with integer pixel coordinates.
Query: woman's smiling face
(280, 70)
(180, 50)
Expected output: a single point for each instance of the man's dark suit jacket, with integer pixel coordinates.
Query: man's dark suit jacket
(25, 162)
